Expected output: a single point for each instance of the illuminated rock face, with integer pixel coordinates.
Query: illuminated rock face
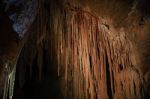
(95, 59)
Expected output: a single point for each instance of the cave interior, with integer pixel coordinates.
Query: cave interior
(74, 49)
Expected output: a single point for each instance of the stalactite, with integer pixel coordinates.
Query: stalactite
(41, 34)
(94, 55)
(6, 85)
(91, 57)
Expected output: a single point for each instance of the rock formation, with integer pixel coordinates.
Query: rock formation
(95, 49)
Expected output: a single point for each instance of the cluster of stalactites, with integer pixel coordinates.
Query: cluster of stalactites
(93, 62)
(97, 62)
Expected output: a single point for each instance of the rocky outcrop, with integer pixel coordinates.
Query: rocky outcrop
(86, 50)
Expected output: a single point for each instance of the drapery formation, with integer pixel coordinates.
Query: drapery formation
(95, 61)
(90, 57)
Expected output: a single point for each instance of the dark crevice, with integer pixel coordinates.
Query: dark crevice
(113, 83)
(134, 87)
(90, 60)
(98, 52)
(96, 94)
(109, 90)
(122, 86)
(120, 67)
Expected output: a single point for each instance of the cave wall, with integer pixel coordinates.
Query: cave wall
(87, 50)
(9, 44)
